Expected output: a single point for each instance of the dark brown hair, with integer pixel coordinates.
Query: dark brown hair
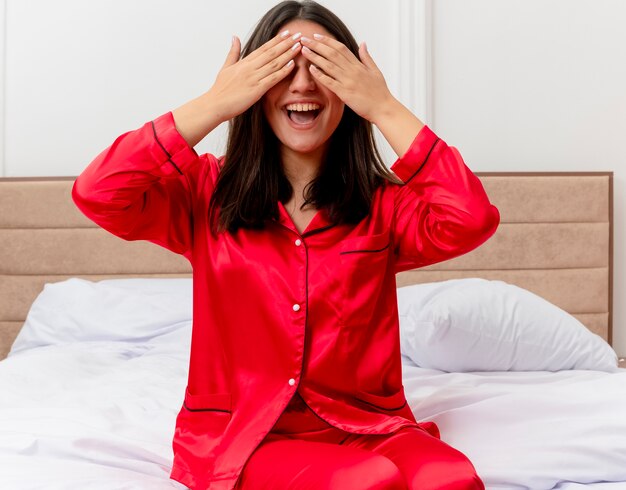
(252, 180)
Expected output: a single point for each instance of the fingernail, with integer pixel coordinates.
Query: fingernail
(295, 46)
(284, 33)
(289, 64)
(296, 35)
(305, 39)
(318, 36)
(306, 50)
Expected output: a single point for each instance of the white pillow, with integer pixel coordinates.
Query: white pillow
(112, 310)
(479, 325)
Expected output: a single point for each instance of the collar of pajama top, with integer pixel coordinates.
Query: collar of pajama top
(275, 311)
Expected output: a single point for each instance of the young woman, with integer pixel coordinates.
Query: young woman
(295, 236)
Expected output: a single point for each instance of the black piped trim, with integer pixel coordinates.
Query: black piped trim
(204, 409)
(382, 408)
(315, 413)
(317, 230)
(364, 251)
(169, 157)
(425, 160)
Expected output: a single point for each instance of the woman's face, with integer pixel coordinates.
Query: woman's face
(298, 128)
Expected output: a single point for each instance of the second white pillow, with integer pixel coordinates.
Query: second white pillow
(480, 325)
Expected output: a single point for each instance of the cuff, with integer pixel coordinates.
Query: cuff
(414, 159)
(173, 147)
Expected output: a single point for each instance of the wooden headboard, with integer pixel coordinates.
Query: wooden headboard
(555, 239)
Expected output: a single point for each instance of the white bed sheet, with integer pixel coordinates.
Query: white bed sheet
(534, 430)
(591, 486)
(92, 415)
(100, 415)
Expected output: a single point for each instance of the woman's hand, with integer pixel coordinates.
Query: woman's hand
(361, 85)
(238, 85)
(241, 83)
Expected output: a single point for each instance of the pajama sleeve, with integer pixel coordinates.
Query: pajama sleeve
(139, 187)
(442, 210)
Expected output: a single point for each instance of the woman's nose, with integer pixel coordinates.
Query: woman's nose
(302, 80)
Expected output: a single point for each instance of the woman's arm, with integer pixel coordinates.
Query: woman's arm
(139, 187)
(142, 186)
(197, 118)
(398, 125)
(238, 85)
(442, 210)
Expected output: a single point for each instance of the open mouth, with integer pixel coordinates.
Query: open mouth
(303, 114)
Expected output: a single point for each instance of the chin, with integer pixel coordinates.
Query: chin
(303, 146)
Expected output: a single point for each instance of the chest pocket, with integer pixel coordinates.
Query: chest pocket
(364, 264)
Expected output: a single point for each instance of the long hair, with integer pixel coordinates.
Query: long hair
(252, 180)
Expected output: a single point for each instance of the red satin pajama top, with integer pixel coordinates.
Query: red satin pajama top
(274, 310)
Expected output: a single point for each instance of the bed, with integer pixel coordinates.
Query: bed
(507, 348)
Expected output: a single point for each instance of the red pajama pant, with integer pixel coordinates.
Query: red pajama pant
(303, 452)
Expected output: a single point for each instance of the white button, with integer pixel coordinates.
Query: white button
(296, 307)
(298, 242)
(292, 382)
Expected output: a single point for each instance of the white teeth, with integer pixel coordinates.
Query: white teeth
(302, 107)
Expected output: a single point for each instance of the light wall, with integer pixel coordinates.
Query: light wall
(515, 85)
(79, 73)
(540, 86)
